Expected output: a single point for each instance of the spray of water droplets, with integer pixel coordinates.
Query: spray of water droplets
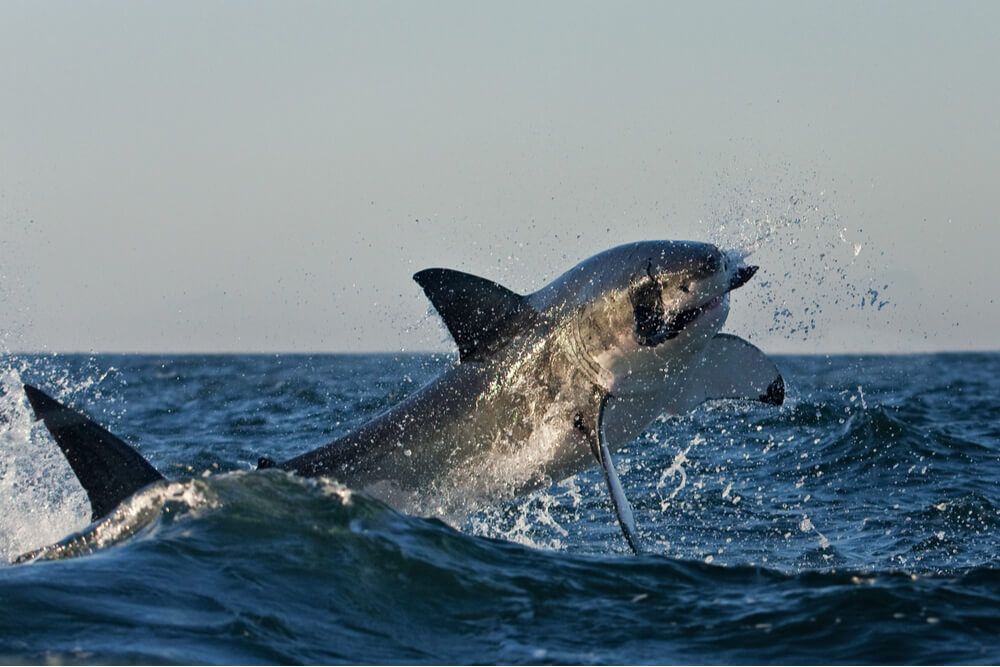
(818, 270)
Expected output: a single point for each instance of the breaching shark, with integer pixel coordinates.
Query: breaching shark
(544, 385)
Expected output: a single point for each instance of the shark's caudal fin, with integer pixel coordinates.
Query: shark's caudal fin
(108, 469)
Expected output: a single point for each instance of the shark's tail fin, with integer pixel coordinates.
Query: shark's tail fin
(108, 469)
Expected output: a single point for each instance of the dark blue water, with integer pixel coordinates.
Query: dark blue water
(858, 523)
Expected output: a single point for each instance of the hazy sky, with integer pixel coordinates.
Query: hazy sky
(199, 176)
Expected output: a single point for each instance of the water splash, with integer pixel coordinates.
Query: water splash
(42, 500)
(190, 497)
(676, 468)
(813, 275)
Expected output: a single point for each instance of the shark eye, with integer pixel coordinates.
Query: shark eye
(684, 287)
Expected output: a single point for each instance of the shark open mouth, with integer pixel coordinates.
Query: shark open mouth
(686, 317)
(652, 329)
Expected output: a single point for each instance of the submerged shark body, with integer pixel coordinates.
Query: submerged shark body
(545, 385)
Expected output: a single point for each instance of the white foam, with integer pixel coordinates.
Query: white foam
(135, 513)
(331, 488)
(42, 501)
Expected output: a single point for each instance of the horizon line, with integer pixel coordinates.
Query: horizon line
(429, 352)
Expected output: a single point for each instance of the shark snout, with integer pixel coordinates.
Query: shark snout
(742, 276)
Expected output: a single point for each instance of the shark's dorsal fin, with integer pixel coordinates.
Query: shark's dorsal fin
(481, 315)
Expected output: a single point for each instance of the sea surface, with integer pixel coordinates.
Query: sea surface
(859, 523)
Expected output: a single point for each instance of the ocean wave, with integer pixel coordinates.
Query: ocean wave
(346, 573)
(856, 524)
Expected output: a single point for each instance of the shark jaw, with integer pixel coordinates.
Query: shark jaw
(652, 329)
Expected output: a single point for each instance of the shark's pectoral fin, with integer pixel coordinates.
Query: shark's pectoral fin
(728, 368)
(108, 468)
(733, 368)
(481, 315)
(593, 430)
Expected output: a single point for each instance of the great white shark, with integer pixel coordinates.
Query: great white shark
(545, 385)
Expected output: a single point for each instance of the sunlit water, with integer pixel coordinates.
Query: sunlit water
(858, 523)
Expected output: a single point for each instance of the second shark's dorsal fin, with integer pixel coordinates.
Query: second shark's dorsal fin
(481, 315)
